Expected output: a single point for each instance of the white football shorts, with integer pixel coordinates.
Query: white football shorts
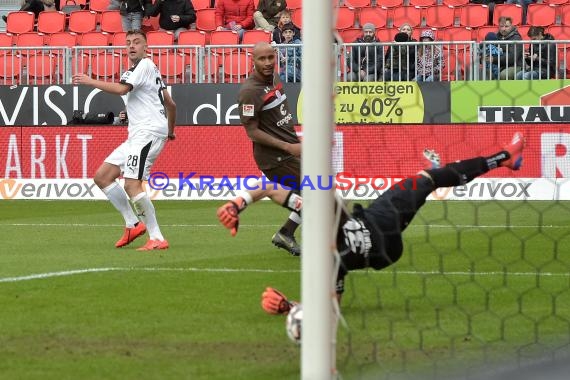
(136, 155)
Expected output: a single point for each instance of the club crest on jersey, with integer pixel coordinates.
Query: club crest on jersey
(248, 109)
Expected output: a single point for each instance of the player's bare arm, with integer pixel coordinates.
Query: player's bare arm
(110, 87)
(170, 113)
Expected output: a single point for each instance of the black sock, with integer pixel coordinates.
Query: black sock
(494, 161)
(459, 173)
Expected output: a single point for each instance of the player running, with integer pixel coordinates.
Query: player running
(152, 117)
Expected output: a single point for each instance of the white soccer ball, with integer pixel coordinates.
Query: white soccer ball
(294, 322)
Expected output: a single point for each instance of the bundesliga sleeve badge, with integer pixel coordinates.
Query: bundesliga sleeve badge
(247, 109)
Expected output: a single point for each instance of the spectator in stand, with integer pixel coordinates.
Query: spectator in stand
(234, 15)
(290, 56)
(175, 15)
(488, 53)
(266, 16)
(366, 59)
(429, 61)
(540, 59)
(284, 19)
(509, 61)
(397, 65)
(132, 12)
(36, 6)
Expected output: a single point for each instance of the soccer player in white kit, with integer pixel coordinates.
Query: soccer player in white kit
(152, 117)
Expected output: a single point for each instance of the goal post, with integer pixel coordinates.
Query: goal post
(317, 347)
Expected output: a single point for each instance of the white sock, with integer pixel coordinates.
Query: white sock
(146, 212)
(119, 198)
(295, 217)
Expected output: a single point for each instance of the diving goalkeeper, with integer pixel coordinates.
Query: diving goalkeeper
(372, 236)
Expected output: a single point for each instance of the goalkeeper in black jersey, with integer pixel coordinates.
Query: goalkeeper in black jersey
(372, 236)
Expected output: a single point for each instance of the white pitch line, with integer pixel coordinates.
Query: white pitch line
(272, 225)
(39, 276)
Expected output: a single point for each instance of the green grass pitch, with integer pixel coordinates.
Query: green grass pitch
(467, 289)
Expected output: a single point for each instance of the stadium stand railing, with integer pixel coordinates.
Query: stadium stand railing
(232, 63)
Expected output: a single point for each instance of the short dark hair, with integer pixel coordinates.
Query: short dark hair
(505, 19)
(136, 31)
(534, 31)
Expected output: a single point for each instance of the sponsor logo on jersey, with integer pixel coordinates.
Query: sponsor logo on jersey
(248, 110)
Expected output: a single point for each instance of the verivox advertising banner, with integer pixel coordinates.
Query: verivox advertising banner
(58, 162)
(544, 101)
(215, 104)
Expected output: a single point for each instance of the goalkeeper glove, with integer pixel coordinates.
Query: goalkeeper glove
(228, 214)
(275, 302)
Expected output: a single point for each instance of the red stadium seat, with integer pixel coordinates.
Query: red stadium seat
(560, 32)
(159, 38)
(25, 41)
(111, 22)
(556, 2)
(294, 4)
(171, 67)
(541, 14)
(20, 22)
(82, 21)
(297, 18)
(10, 69)
(423, 3)
(62, 39)
(564, 12)
(458, 33)
(6, 40)
(456, 3)
(386, 34)
(350, 35)
(150, 24)
(523, 31)
(237, 66)
(474, 15)
(376, 15)
(224, 37)
(202, 4)
(355, 3)
(440, 16)
(99, 5)
(345, 17)
(51, 22)
(251, 37)
(482, 31)
(105, 66)
(119, 39)
(41, 69)
(513, 11)
(193, 37)
(90, 39)
(389, 3)
(206, 19)
(409, 15)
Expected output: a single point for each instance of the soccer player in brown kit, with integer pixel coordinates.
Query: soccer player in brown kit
(264, 112)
